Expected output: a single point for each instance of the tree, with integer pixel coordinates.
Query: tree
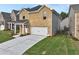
(63, 15)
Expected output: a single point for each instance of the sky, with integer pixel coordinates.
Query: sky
(9, 7)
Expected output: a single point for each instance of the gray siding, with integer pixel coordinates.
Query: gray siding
(64, 23)
(55, 23)
(72, 22)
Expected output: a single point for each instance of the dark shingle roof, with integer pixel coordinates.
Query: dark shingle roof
(6, 16)
(16, 14)
(36, 8)
(15, 11)
(28, 9)
(57, 14)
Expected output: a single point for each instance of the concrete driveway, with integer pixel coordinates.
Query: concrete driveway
(19, 45)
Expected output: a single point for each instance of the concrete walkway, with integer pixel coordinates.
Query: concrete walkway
(19, 45)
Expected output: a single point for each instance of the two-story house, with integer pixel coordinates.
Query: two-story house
(39, 20)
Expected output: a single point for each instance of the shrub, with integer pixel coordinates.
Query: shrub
(28, 34)
(12, 33)
(7, 30)
(23, 35)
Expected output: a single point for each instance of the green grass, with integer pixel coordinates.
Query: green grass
(5, 36)
(56, 45)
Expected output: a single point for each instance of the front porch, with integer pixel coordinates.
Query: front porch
(18, 27)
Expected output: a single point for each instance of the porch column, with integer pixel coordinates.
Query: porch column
(15, 28)
(8, 25)
(23, 31)
(20, 29)
(11, 26)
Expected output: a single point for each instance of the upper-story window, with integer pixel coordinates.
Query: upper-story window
(44, 16)
(23, 17)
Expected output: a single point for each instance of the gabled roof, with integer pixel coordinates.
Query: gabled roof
(75, 6)
(38, 8)
(15, 11)
(34, 9)
(6, 15)
(57, 14)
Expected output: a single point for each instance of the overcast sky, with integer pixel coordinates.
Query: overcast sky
(9, 7)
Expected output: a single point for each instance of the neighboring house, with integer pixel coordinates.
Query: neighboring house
(14, 15)
(14, 18)
(39, 20)
(64, 23)
(4, 18)
(74, 20)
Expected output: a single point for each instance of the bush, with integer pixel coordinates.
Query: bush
(12, 33)
(6, 29)
(28, 34)
(23, 35)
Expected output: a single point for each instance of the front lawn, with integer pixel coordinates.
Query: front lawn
(57, 45)
(5, 36)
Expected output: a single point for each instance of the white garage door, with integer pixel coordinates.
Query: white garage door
(39, 30)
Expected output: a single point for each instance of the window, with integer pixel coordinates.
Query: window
(44, 17)
(23, 17)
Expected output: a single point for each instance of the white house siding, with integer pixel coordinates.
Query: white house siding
(2, 27)
(64, 23)
(72, 22)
